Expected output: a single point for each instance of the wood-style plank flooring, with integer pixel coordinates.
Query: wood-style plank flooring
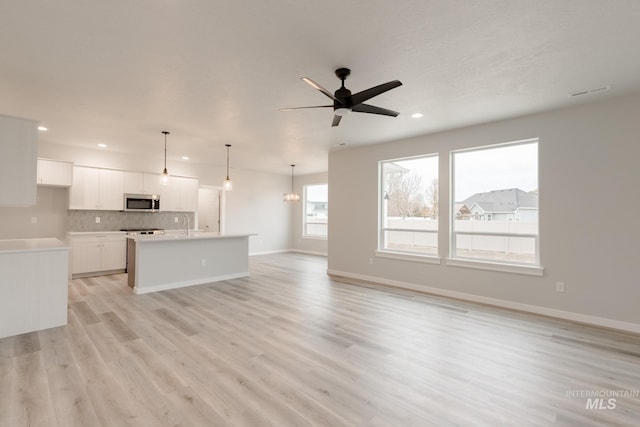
(288, 346)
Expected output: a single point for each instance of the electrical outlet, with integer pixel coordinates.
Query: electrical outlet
(559, 286)
(371, 261)
(97, 220)
(175, 219)
(34, 220)
(203, 262)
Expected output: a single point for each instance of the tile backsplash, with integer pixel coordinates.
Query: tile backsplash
(80, 220)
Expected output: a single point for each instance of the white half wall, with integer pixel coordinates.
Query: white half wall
(589, 231)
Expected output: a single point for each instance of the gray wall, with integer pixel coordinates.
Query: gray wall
(49, 214)
(589, 179)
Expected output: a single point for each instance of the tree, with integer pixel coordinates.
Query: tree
(406, 195)
(431, 196)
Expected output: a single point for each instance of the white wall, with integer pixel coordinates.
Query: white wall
(298, 242)
(589, 179)
(253, 206)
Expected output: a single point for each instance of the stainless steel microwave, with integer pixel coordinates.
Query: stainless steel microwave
(142, 202)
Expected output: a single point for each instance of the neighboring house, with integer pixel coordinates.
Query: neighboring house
(462, 211)
(510, 204)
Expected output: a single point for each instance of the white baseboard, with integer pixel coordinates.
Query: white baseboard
(278, 251)
(302, 251)
(545, 311)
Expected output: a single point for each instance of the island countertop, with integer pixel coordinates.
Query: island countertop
(183, 235)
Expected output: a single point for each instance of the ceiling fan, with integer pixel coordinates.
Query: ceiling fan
(344, 102)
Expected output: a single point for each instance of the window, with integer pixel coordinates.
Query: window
(495, 204)
(409, 206)
(316, 210)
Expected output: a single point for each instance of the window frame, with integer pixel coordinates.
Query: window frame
(406, 255)
(534, 268)
(304, 214)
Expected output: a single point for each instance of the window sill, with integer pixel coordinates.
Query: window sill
(427, 259)
(314, 237)
(495, 266)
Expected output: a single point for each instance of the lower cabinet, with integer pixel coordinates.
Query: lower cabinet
(98, 253)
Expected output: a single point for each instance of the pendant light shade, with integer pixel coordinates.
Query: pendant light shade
(164, 178)
(291, 197)
(227, 185)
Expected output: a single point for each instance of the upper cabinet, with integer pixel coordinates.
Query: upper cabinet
(18, 156)
(96, 189)
(104, 189)
(180, 195)
(55, 173)
(142, 183)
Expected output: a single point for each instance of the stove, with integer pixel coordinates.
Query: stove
(137, 231)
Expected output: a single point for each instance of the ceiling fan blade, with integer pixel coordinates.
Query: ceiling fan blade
(372, 109)
(302, 108)
(360, 97)
(336, 120)
(320, 88)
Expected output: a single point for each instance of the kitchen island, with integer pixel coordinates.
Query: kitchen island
(33, 285)
(175, 260)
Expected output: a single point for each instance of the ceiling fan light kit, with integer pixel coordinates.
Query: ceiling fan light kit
(344, 102)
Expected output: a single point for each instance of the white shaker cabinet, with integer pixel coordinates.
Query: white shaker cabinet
(97, 252)
(142, 183)
(55, 173)
(96, 189)
(180, 195)
(18, 156)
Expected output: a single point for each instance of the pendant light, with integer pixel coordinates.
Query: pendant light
(227, 184)
(291, 197)
(164, 178)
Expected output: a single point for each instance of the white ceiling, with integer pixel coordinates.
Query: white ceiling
(215, 72)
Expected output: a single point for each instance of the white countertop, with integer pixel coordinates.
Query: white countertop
(31, 245)
(182, 235)
(83, 233)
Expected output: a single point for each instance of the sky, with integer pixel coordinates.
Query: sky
(514, 166)
(483, 170)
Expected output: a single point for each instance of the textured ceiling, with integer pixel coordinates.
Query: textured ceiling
(121, 71)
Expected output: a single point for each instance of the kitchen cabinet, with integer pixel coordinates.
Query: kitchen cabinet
(96, 253)
(142, 183)
(96, 189)
(18, 161)
(55, 173)
(180, 195)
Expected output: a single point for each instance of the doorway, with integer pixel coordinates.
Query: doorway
(211, 209)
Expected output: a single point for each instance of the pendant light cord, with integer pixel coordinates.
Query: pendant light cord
(227, 145)
(292, 166)
(165, 149)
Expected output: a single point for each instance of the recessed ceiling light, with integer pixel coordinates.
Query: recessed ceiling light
(102, 145)
(42, 128)
(185, 157)
(417, 115)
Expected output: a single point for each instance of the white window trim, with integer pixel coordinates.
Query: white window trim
(531, 270)
(482, 264)
(304, 215)
(408, 256)
(389, 253)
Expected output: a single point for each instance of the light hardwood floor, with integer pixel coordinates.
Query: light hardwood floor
(288, 346)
